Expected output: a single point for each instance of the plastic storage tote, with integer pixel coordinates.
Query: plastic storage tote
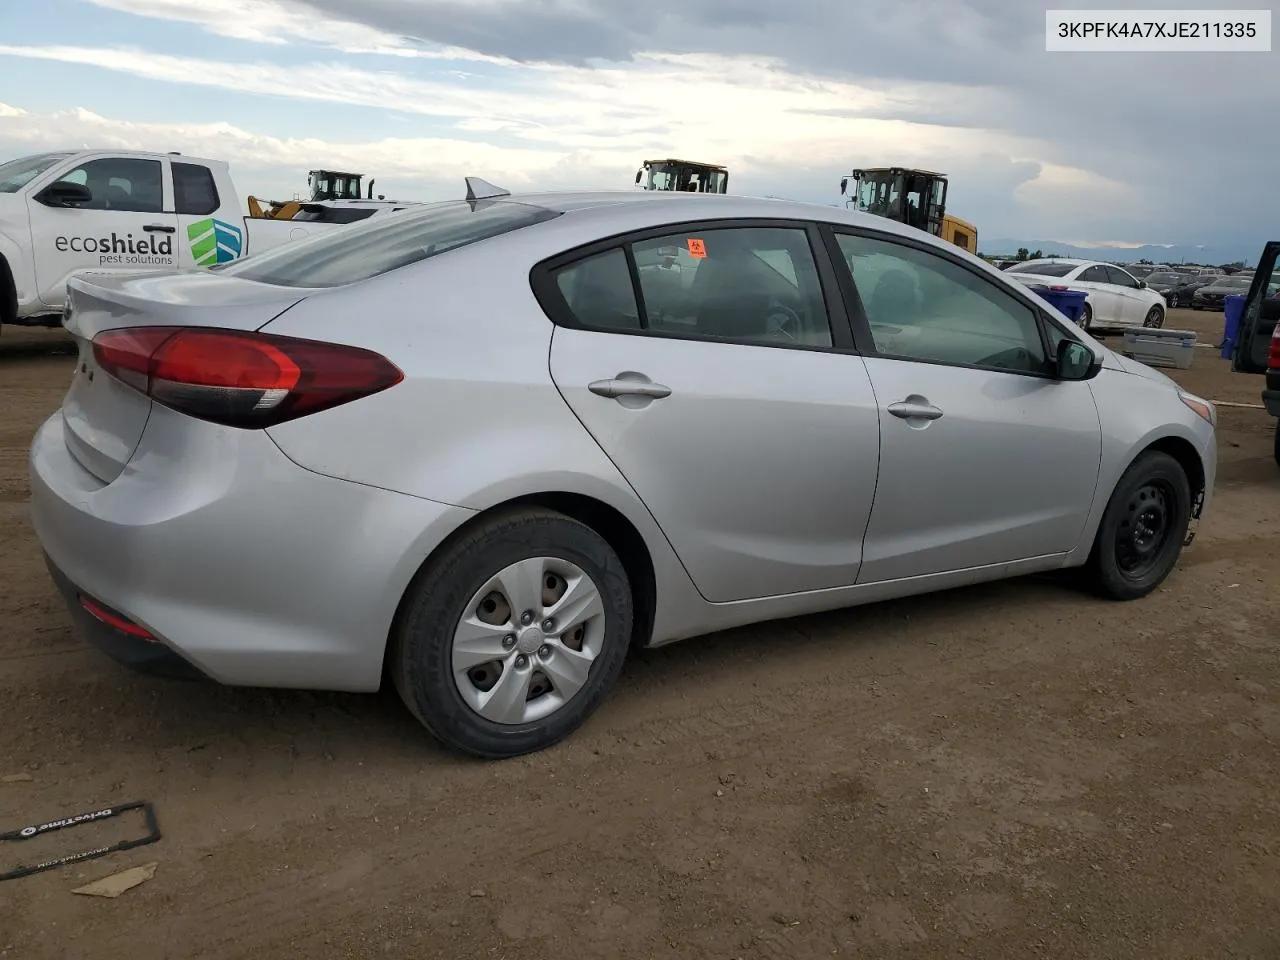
(1069, 302)
(1233, 310)
(1160, 348)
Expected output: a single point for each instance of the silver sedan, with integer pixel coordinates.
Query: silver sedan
(485, 447)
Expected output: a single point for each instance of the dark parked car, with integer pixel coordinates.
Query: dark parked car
(1212, 296)
(1257, 348)
(1177, 288)
(1142, 270)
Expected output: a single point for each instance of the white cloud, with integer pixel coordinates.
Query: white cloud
(276, 23)
(743, 111)
(277, 165)
(549, 126)
(1057, 186)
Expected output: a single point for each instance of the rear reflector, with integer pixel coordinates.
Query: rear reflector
(114, 620)
(241, 378)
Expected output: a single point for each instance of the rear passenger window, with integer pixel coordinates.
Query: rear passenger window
(755, 285)
(598, 292)
(746, 284)
(194, 191)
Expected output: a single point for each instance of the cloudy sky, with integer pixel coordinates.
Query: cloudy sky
(1132, 147)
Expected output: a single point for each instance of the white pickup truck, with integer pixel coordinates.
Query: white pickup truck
(107, 210)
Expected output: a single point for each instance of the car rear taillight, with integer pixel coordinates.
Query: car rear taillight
(241, 378)
(1273, 353)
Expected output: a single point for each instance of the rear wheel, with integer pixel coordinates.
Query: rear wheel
(1154, 318)
(512, 636)
(1142, 530)
(1277, 443)
(8, 294)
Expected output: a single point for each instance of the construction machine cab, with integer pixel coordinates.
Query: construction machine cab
(917, 198)
(684, 176)
(335, 185)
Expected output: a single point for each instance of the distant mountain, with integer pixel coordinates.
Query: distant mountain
(1171, 254)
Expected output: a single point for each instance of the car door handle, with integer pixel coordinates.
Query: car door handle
(629, 388)
(915, 409)
(157, 228)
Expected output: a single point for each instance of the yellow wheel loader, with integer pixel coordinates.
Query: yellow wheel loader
(324, 185)
(917, 198)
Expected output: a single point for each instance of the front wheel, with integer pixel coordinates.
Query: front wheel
(1154, 318)
(511, 637)
(1142, 530)
(1086, 317)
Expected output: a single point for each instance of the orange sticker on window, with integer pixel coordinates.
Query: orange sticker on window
(697, 249)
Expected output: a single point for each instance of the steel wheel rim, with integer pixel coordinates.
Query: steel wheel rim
(1145, 529)
(525, 642)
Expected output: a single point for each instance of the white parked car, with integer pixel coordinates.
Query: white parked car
(1116, 297)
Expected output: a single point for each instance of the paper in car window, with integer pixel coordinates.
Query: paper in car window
(697, 249)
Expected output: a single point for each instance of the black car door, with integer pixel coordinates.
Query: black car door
(1261, 311)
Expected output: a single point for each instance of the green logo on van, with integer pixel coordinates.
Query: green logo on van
(214, 241)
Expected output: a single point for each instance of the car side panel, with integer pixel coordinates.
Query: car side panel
(1104, 303)
(477, 421)
(1138, 411)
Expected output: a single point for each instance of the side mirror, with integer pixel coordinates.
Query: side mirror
(844, 185)
(639, 173)
(1142, 284)
(64, 194)
(1075, 361)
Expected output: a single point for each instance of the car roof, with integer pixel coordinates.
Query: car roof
(358, 203)
(697, 206)
(173, 155)
(1079, 262)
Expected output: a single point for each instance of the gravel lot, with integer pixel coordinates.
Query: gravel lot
(1009, 771)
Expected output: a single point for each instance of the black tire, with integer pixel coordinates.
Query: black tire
(1155, 481)
(1154, 318)
(1277, 443)
(8, 294)
(1086, 317)
(420, 653)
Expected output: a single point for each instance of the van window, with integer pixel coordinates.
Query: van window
(125, 184)
(194, 191)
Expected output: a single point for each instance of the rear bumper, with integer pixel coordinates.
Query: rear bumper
(249, 568)
(1271, 400)
(145, 656)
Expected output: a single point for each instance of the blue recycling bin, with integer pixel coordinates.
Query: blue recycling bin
(1069, 302)
(1233, 311)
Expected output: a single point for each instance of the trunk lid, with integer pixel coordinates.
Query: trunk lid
(103, 417)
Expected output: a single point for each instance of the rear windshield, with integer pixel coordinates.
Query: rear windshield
(1043, 269)
(334, 214)
(365, 250)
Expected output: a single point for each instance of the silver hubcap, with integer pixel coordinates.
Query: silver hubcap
(527, 639)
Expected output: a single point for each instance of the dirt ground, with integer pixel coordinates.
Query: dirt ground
(1009, 771)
